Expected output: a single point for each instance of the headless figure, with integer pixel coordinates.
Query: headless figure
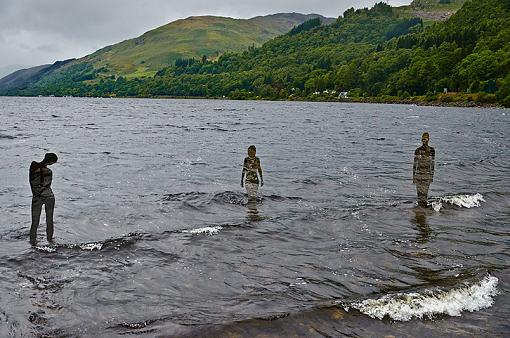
(40, 177)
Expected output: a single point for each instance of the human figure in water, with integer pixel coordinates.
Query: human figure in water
(251, 170)
(40, 177)
(423, 169)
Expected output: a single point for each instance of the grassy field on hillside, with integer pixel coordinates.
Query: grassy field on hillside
(193, 37)
(431, 10)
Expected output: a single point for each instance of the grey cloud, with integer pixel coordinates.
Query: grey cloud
(49, 48)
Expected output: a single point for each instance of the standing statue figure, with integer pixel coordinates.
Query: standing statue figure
(423, 169)
(40, 177)
(250, 169)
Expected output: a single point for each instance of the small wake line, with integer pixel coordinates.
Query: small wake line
(81, 246)
(116, 243)
(206, 230)
(131, 238)
(198, 199)
(404, 307)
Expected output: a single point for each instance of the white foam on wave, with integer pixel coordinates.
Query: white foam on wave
(463, 201)
(404, 307)
(46, 248)
(437, 206)
(85, 246)
(207, 230)
(91, 246)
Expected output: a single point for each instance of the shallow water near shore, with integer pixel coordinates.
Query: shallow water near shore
(155, 237)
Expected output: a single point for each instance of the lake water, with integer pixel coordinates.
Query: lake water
(155, 237)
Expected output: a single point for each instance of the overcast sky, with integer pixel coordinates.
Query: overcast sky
(34, 32)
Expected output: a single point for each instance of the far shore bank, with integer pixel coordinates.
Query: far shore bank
(452, 101)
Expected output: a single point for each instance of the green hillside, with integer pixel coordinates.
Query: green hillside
(375, 54)
(193, 37)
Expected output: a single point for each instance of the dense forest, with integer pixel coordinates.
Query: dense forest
(372, 54)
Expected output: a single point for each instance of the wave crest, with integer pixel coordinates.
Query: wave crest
(206, 230)
(404, 307)
(463, 201)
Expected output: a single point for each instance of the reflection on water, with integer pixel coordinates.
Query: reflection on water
(252, 210)
(420, 220)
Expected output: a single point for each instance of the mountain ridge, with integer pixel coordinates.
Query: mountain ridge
(192, 37)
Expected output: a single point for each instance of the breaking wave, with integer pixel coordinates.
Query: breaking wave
(463, 201)
(404, 307)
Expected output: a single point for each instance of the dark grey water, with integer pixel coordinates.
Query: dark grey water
(156, 237)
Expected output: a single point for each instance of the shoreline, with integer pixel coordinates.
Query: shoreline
(368, 100)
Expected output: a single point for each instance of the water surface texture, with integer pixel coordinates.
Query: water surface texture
(155, 236)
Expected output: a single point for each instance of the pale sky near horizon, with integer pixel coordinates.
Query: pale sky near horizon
(35, 32)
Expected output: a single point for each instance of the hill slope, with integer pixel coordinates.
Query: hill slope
(143, 56)
(370, 53)
(9, 69)
(193, 37)
(29, 76)
(19, 76)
